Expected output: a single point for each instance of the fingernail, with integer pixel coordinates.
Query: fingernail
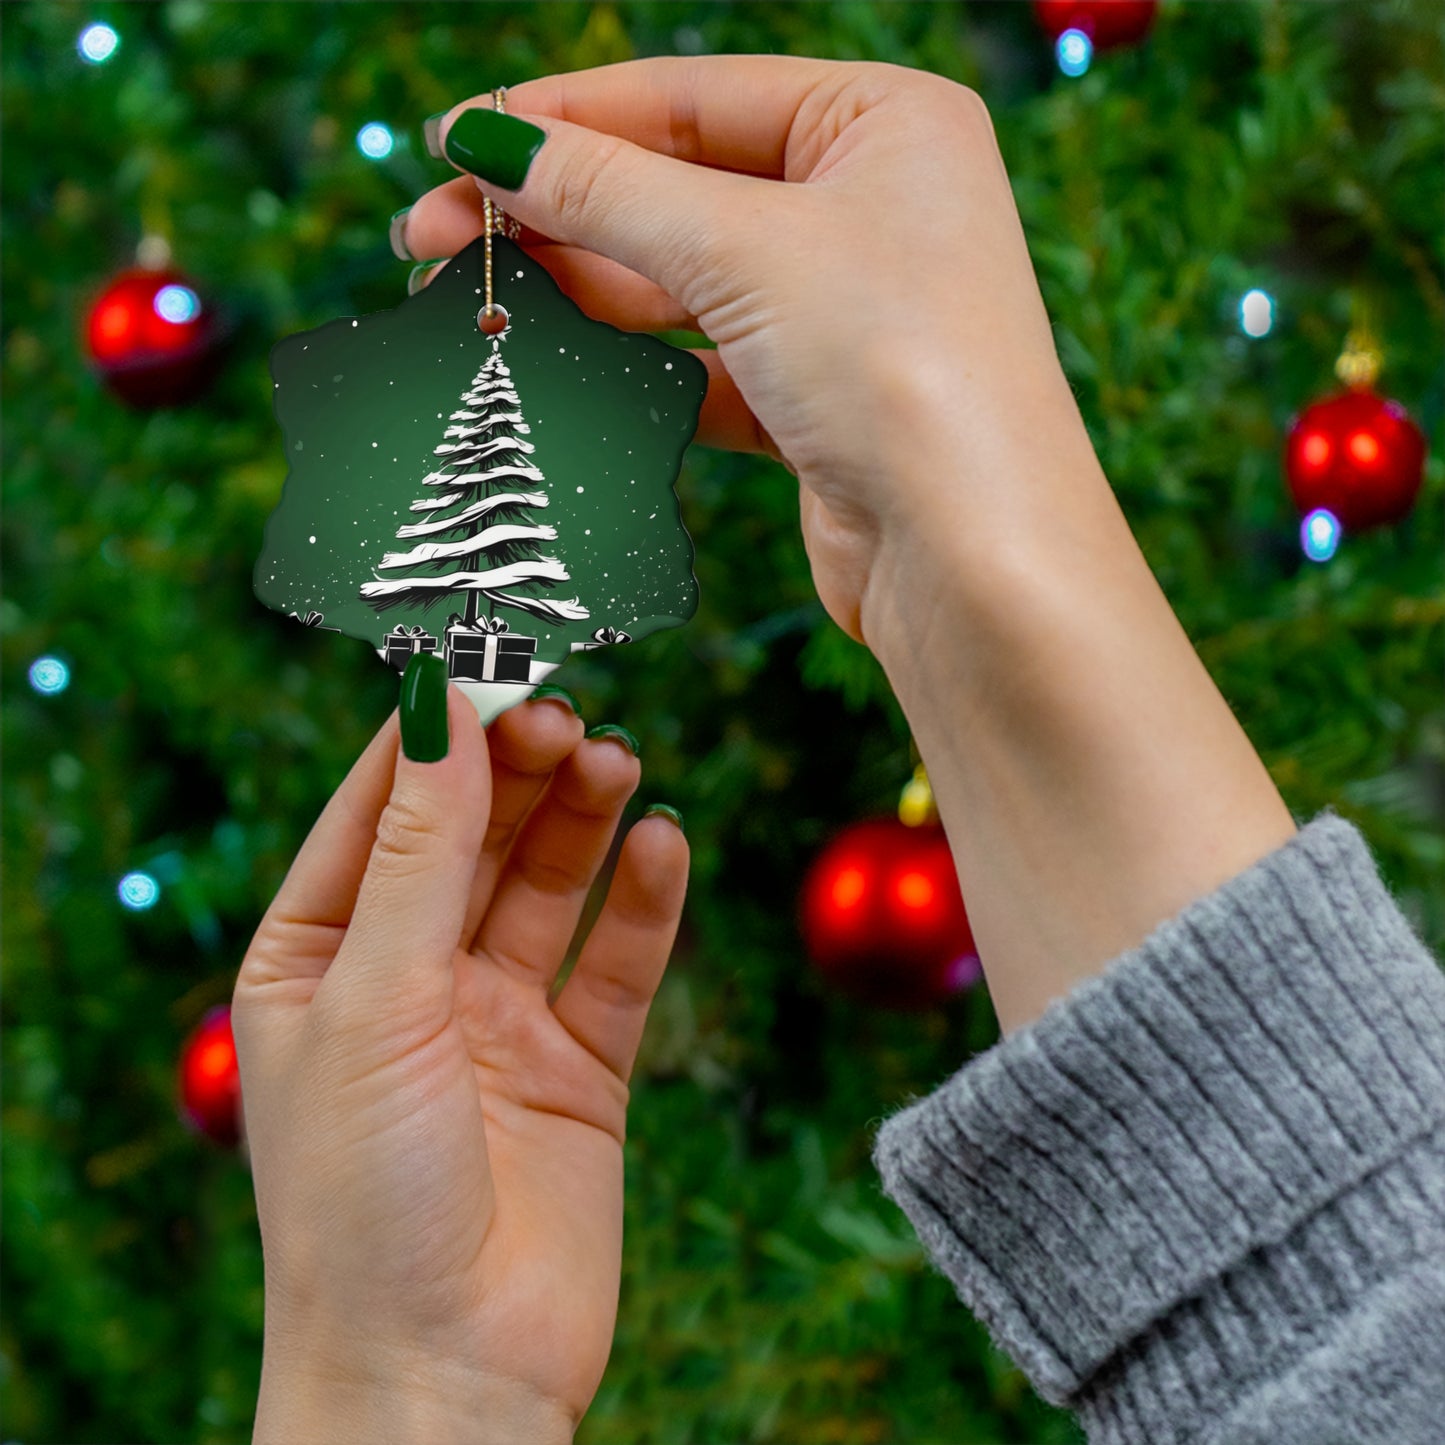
(424, 736)
(396, 230)
(418, 273)
(550, 689)
(667, 812)
(431, 133)
(613, 730)
(498, 148)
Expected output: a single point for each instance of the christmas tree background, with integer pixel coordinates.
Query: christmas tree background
(770, 1291)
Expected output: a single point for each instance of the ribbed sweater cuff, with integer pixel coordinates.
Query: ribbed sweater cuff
(1213, 1107)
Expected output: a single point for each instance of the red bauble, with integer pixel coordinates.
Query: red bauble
(883, 917)
(1107, 23)
(1357, 455)
(210, 1081)
(152, 338)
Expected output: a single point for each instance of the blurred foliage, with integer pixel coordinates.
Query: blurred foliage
(771, 1293)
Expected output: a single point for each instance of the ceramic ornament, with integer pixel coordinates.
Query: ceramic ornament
(503, 501)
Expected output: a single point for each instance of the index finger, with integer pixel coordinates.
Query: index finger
(733, 112)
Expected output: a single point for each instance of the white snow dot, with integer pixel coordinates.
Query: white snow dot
(668, 367)
(373, 443)
(313, 539)
(587, 532)
(354, 323)
(561, 351)
(579, 489)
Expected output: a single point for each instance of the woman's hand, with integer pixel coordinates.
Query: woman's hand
(437, 1149)
(878, 324)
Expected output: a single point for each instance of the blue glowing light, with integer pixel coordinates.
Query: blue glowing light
(49, 675)
(177, 304)
(375, 141)
(138, 891)
(97, 43)
(1074, 50)
(1256, 313)
(1319, 535)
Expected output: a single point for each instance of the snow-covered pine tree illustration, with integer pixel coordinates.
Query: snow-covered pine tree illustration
(478, 517)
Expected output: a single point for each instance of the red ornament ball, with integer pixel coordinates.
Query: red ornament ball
(210, 1080)
(883, 917)
(152, 338)
(1107, 23)
(1357, 455)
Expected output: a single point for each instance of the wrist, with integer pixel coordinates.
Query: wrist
(1092, 779)
(400, 1399)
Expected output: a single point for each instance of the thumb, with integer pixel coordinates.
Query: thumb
(661, 217)
(406, 926)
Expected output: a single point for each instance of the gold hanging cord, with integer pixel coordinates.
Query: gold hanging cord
(494, 218)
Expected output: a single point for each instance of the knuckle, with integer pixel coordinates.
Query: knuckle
(575, 194)
(407, 835)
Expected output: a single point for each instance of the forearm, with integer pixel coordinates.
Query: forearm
(301, 1400)
(1091, 778)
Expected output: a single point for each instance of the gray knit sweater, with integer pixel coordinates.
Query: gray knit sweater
(1202, 1198)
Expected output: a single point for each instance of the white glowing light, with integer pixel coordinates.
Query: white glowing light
(375, 141)
(177, 304)
(138, 891)
(1319, 535)
(1256, 313)
(1074, 50)
(49, 675)
(97, 43)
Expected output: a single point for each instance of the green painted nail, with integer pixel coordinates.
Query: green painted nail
(550, 689)
(614, 730)
(666, 812)
(431, 133)
(424, 734)
(418, 273)
(396, 231)
(498, 148)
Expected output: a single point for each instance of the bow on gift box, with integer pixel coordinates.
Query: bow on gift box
(313, 619)
(610, 634)
(491, 624)
(401, 631)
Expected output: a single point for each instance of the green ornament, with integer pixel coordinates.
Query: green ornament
(503, 500)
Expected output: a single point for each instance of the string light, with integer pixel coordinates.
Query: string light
(97, 43)
(49, 675)
(1074, 52)
(1319, 535)
(177, 304)
(138, 891)
(1256, 313)
(375, 141)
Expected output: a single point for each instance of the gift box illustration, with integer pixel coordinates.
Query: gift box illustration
(603, 637)
(401, 643)
(489, 653)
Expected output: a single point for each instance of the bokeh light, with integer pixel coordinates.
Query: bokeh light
(1256, 313)
(1075, 51)
(1319, 535)
(49, 675)
(97, 43)
(177, 304)
(138, 891)
(375, 141)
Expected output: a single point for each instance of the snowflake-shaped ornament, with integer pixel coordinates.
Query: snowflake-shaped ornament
(503, 501)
